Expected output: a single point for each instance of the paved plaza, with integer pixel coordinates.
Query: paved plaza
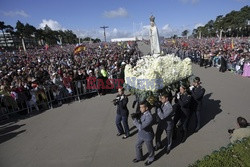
(84, 133)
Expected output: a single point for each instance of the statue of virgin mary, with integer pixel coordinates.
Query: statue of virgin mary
(154, 38)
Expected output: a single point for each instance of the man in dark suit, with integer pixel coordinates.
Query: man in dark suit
(184, 100)
(145, 133)
(223, 63)
(165, 113)
(177, 115)
(197, 93)
(121, 102)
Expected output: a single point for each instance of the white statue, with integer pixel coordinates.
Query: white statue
(154, 38)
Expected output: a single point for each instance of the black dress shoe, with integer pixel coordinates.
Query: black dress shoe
(148, 163)
(136, 160)
(183, 139)
(156, 148)
(168, 151)
(196, 129)
(125, 137)
(118, 134)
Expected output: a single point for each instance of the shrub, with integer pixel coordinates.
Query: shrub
(234, 155)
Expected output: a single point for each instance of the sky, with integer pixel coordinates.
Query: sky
(125, 18)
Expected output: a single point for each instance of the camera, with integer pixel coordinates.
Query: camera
(115, 101)
(135, 115)
(157, 104)
(230, 131)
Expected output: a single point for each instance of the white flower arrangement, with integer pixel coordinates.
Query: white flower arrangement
(153, 73)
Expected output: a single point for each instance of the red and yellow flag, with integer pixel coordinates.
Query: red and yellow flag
(79, 48)
(232, 44)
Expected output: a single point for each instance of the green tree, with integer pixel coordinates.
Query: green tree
(39, 35)
(233, 24)
(185, 33)
(97, 40)
(20, 28)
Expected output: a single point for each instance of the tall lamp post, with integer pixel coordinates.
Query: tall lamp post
(104, 27)
(23, 43)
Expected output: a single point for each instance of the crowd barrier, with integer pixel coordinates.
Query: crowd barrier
(44, 97)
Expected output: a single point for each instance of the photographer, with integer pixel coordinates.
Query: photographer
(242, 131)
(121, 102)
(164, 112)
(145, 133)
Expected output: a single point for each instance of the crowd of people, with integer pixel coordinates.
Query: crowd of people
(229, 54)
(31, 79)
(56, 73)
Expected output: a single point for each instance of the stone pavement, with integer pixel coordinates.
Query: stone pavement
(84, 134)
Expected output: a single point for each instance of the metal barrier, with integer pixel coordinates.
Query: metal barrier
(44, 97)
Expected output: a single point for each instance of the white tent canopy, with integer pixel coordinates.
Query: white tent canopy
(126, 39)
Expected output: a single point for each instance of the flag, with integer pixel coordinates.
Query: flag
(46, 46)
(79, 49)
(232, 44)
(184, 44)
(212, 44)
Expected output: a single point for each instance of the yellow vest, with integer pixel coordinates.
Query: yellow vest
(104, 73)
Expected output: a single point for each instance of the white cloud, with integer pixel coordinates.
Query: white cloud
(198, 25)
(116, 33)
(15, 13)
(89, 33)
(120, 12)
(143, 32)
(54, 25)
(168, 31)
(98, 33)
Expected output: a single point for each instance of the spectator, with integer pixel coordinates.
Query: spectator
(243, 130)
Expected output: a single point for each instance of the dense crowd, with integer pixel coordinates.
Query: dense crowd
(30, 78)
(56, 73)
(39, 78)
(232, 54)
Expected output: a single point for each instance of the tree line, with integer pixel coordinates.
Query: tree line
(233, 24)
(27, 34)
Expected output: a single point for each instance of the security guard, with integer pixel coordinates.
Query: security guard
(145, 133)
(184, 100)
(177, 116)
(165, 113)
(122, 113)
(197, 93)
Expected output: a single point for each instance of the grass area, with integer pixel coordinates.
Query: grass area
(234, 155)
